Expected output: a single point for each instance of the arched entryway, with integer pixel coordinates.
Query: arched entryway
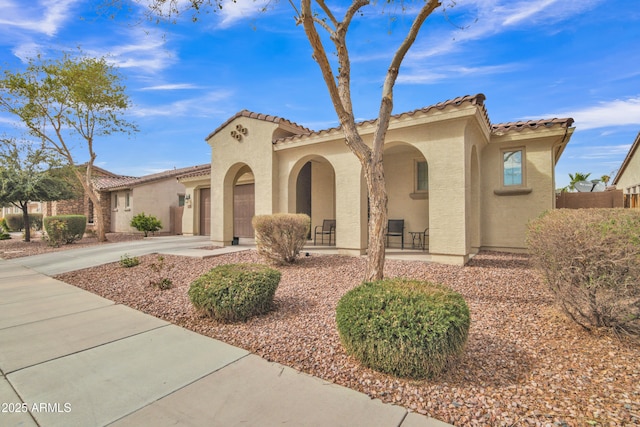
(407, 181)
(312, 189)
(243, 203)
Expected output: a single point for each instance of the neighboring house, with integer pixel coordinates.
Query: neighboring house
(628, 177)
(34, 207)
(474, 185)
(159, 194)
(80, 206)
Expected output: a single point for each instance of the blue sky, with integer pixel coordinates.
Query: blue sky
(532, 59)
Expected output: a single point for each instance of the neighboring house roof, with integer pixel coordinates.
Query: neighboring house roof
(126, 182)
(294, 127)
(204, 171)
(627, 159)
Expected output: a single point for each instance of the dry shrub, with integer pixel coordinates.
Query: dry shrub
(590, 258)
(281, 237)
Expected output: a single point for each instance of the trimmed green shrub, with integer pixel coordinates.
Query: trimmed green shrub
(146, 224)
(3, 225)
(406, 328)
(235, 292)
(590, 260)
(64, 228)
(15, 222)
(281, 237)
(128, 261)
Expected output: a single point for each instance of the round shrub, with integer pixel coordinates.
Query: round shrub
(589, 259)
(65, 228)
(401, 327)
(235, 292)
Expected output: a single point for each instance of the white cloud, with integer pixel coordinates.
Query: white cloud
(201, 106)
(147, 50)
(46, 16)
(238, 10)
(599, 152)
(486, 18)
(174, 86)
(619, 112)
(442, 73)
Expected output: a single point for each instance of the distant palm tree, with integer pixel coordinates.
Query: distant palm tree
(575, 178)
(605, 179)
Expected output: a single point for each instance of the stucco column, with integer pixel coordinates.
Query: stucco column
(351, 207)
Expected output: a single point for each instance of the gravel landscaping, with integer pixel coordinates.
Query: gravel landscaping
(525, 363)
(16, 247)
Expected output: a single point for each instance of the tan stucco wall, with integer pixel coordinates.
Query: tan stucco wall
(630, 176)
(404, 202)
(191, 213)
(505, 215)
(229, 159)
(154, 198)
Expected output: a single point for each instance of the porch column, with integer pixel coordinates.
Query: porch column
(351, 206)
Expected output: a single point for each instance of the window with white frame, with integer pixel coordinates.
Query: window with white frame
(115, 201)
(513, 172)
(127, 200)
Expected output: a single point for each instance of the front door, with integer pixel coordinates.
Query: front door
(205, 212)
(243, 210)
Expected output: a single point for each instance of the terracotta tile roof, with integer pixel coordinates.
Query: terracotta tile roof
(531, 124)
(122, 182)
(627, 159)
(264, 117)
(206, 170)
(477, 99)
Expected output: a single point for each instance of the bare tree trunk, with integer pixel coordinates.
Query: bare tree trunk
(25, 221)
(85, 180)
(99, 219)
(377, 220)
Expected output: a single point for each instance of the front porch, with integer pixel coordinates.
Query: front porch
(406, 254)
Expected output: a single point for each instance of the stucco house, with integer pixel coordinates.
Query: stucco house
(81, 205)
(473, 184)
(628, 177)
(159, 194)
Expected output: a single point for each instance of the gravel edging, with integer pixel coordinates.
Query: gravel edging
(525, 364)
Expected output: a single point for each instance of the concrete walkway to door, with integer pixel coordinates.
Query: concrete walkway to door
(72, 358)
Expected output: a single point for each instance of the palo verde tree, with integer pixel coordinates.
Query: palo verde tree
(67, 103)
(320, 20)
(29, 172)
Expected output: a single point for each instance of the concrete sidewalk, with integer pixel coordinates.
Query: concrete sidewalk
(71, 358)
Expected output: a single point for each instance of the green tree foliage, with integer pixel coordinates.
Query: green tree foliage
(575, 178)
(28, 172)
(65, 103)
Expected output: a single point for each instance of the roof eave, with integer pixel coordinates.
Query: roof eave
(627, 159)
